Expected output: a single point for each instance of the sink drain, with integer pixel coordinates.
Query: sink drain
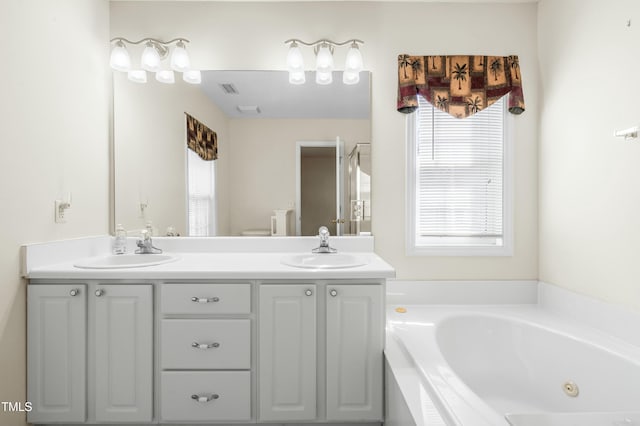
(571, 389)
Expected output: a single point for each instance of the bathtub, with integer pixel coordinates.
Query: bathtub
(517, 365)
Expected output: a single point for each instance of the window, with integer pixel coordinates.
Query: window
(458, 183)
(201, 196)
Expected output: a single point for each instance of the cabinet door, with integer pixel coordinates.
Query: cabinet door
(123, 353)
(355, 327)
(287, 352)
(56, 352)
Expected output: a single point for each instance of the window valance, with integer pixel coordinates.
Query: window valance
(459, 85)
(201, 139)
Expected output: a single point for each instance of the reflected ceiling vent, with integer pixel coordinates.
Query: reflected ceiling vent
(248, 109)
(229, 88)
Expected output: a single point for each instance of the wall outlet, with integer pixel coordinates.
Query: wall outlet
(60, 207)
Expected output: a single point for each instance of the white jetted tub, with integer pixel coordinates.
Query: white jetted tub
(518, 365)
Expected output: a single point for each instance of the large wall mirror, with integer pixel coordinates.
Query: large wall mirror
(290, 157)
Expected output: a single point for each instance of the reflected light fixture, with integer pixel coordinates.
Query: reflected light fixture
(324, 50)
(153, 55)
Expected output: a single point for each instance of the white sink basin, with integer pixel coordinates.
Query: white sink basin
(117, 261)
(324, 261)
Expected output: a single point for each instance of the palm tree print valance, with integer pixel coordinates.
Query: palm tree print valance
(459, 85)
(201, 139)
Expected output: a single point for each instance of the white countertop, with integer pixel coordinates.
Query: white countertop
(245, 259)
(219, 266)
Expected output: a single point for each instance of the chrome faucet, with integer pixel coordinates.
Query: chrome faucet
(323, 233)
(145, 245)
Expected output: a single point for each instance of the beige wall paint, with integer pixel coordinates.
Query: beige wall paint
(54, 137)
(150, 153)
(263, 161)
(251, 35)
(589, 196)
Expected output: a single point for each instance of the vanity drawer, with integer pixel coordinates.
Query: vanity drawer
(223, 395)
(222, 344)
(206, 299)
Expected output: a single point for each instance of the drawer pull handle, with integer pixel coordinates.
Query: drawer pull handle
(333, 292)
(205, 299)
(308, 292)
(205, 398)
(74, 291)
(205, 345)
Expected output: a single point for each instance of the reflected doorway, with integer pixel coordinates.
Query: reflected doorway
(319, 187)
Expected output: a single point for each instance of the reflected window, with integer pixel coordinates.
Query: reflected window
(201, 196)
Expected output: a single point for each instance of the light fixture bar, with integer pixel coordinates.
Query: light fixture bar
(324, 49)
(324, 40)
(154, 52)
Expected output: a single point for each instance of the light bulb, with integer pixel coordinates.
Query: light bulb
(120, 60)
(324, 77)
(180, 58)
(165, 76)
(192, 76)
(350, 77)
(295, 62)
(324, 59)
(150, 59)
(137, 76)
(296, 77)
(353, 62)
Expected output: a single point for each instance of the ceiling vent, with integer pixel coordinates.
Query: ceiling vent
(229, 88)
(249, 109)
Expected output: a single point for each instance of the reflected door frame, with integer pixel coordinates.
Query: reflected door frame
(339, 147)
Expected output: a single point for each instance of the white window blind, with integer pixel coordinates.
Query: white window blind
(458, 178)
(201, 196)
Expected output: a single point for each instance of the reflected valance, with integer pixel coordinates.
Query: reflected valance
(459, 85)
(201, 139)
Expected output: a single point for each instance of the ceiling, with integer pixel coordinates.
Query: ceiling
(275, 97)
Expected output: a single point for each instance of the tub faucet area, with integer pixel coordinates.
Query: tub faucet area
(323, 233)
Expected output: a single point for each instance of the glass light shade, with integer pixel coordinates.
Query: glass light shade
(324, 77)
(350, 77)
(166, 76)
(296, 77)
(295, 61)
(120, 60)
(192, 76)
(150, 59)
(324, 59)
(180, 58)
(353, 62)
(137, 76)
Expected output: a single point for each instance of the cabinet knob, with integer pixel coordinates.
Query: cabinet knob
(205, 398)
(205, 345)
(74, 291)
(99, 292)
(205, 299)
(308, 292)
(333, 292)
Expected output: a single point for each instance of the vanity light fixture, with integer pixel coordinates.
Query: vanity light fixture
(151, 60)
(324, 50)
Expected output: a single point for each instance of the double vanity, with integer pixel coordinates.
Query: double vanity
(216, 330)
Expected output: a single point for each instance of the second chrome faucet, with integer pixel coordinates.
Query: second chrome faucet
(323, 233)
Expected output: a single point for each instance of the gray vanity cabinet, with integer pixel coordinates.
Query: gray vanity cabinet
(354, 355)
(287, 344)
(56, 355)
(104, 330)
(320, 352)
(123, 353)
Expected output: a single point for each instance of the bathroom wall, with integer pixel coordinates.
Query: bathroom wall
(251, 36)
(589, 179)
(54, 135)
(263, 163)
(150, 156)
